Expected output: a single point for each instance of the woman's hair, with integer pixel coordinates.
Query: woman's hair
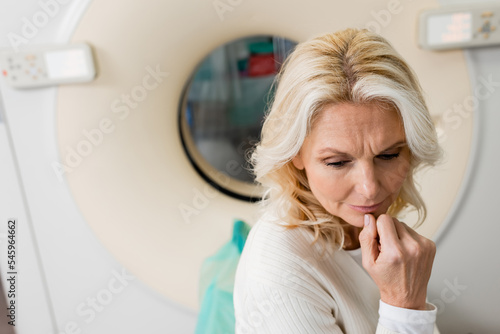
(349, 66)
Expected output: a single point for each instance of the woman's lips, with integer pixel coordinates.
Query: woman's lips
(365, 209)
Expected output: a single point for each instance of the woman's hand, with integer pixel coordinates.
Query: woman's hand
(398, 259)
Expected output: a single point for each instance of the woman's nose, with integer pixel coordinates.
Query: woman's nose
(367, 183)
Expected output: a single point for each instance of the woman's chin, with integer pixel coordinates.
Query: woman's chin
(357, 220)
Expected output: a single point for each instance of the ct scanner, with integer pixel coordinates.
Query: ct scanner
(105, 247)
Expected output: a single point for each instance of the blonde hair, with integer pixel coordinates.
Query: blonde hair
(349, 66)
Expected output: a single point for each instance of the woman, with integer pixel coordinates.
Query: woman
(346, 132)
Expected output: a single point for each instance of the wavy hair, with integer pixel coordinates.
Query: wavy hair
(350, 66)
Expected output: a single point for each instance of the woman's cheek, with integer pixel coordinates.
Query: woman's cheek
(395, 177)
(326, 186)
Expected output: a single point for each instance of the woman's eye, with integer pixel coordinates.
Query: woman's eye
(388, 156)
(337, 164)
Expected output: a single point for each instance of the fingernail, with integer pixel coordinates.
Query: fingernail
(367, 220)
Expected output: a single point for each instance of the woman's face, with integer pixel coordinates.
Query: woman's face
(355, 159)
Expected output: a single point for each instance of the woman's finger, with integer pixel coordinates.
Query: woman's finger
(387, 231)
(411, 231)
(402, 230)
(368, 239)
(406, 231)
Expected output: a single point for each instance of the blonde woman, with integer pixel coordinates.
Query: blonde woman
(346, 132)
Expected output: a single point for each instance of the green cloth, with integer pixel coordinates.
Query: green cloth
(217, 284)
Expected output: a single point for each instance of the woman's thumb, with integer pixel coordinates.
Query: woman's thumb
(368, 239)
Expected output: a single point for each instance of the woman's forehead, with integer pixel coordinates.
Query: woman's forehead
(349, 126)
(349, 116)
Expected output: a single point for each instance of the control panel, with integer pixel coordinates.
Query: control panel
(47, 65)
(474, 25)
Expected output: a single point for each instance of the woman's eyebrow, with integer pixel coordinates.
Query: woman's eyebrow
(395, 145)
(333, 150)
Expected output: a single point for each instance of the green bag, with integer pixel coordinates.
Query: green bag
(217, 283)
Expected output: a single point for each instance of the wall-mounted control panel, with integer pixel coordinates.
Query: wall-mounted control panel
(39, 66)
(466, 26)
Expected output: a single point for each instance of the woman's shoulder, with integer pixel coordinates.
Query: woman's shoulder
(283, 259)
(271, 233)
(272, 244)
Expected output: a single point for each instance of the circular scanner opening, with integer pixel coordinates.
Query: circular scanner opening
(223, 107)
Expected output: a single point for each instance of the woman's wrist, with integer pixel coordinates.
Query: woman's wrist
(412, 304)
